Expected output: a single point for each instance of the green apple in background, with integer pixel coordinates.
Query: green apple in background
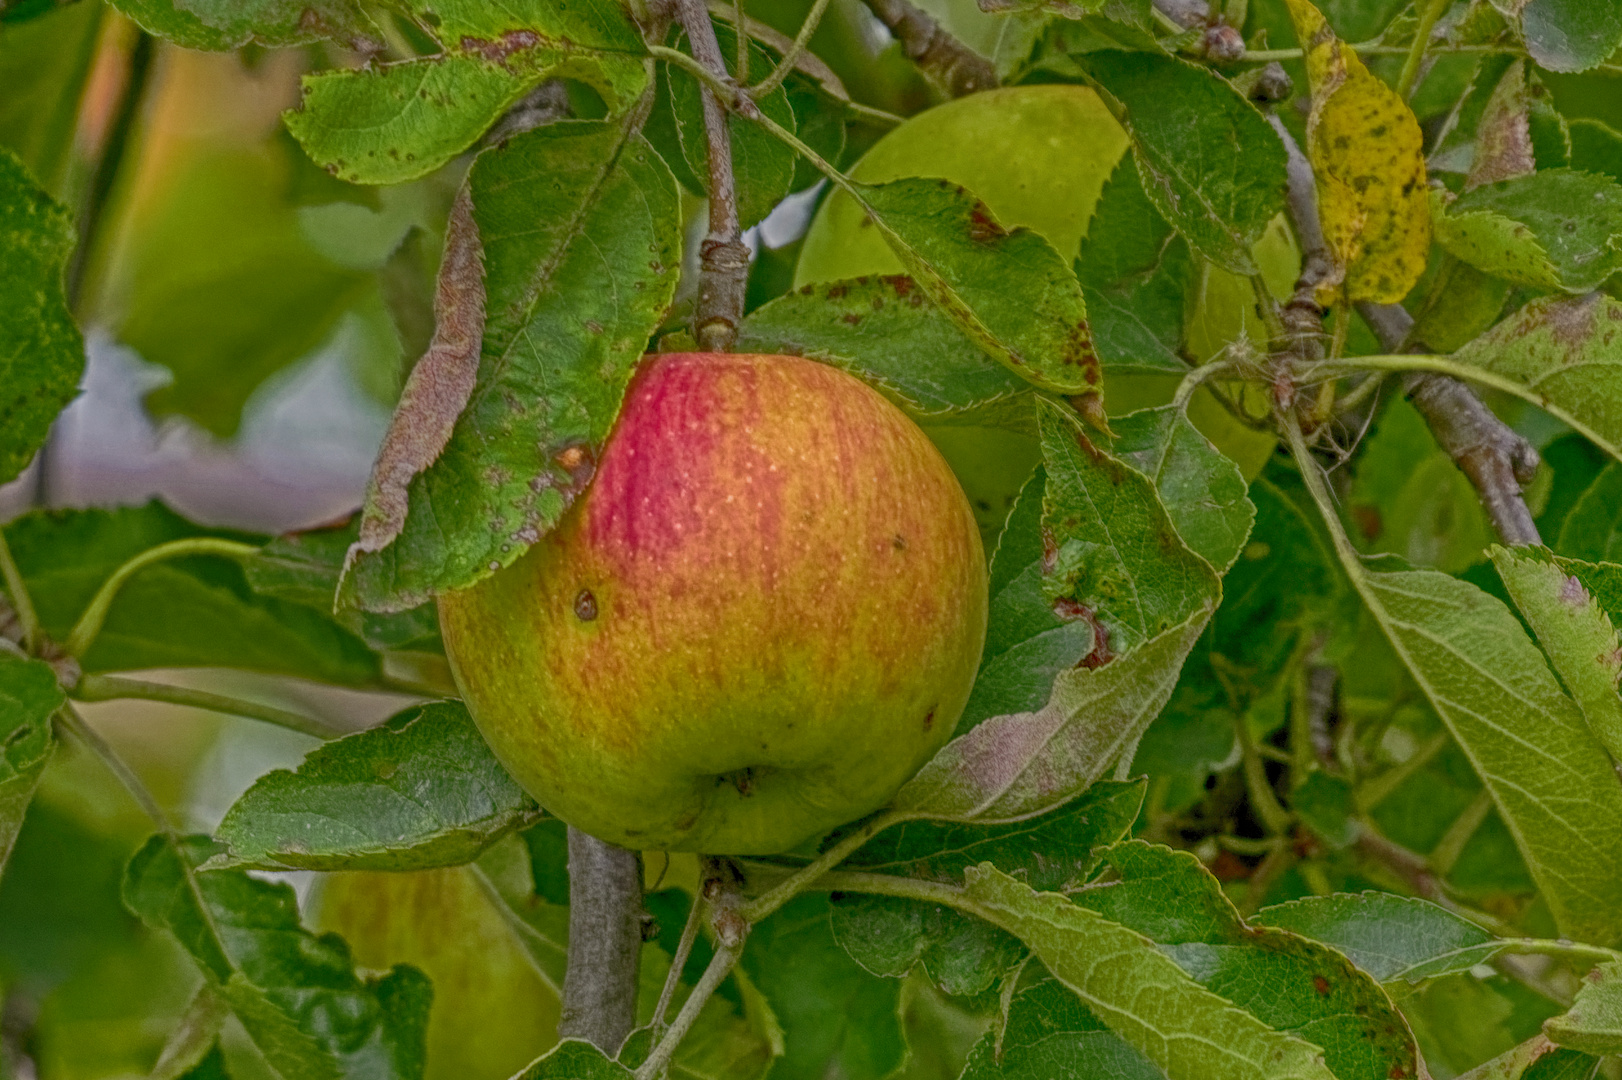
(1039, 156)
(493, 1013)
(761, 617)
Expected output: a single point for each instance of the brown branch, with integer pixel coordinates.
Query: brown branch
(1495, 459)
(952, 66)
(605, 942)
(723, 256)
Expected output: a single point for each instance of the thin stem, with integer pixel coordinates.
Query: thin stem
(1373, 792)
(1191, 381)
(119, 688)
(684, 947)
(1428, 15)
(723, 256)
(740, 70)
(1275, 819)
(89, 624)
(720, 966)
(792, 57)
(780, 894)
(526, 935)
(1568, 949)
(1448, 849)
(17, 589)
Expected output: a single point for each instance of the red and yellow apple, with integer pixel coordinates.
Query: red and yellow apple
(757, 622)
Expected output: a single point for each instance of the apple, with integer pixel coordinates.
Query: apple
(758, 621)
(493, 1013)
(1039, 156)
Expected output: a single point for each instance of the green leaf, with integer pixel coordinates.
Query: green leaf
(218, 25)
(579, 222)
(884, 330)
(1140, 993)
(1592, 529)
(964, 955)
(1390, 937)
(1288, 983)
(1207, 158)
(304, 568)
(1563, 351)
(41, 353)
(1550, 229)
(837, 1019)
(1536, 1059)
(1571, 35)
(1111, 551)
(1575, 633)
(1009, 291)
(763, 165)
(1549, 777)
(1134, 271)
(298, 995)
(574, 1059)
(189, 612)
(29, 697)
(421, 791)
(394, 122)
(1049, 1033)
(1594, 1022)
(1596, 147)
(1203, 491)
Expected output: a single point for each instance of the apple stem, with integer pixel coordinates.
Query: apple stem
(720, 966)
(689, 934)
(605, 942)
(723, 256)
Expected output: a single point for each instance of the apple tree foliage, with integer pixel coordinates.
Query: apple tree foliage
(1300, 770)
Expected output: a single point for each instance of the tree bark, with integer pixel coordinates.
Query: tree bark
(605, 942)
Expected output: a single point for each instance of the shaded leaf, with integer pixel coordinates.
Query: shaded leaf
(574, 1059)
(1390, 937)
(1050, 1033)
(298, 995)
(1503, 146)
(1563, 351)
(197, 611)
(1368, 155)
(41, 353)
(1134, 270)
(578, 220)
(1203, 491)
(1594, 1022)
(1536, 1059)
(218, 25)
(29, 697)
(964, 955)
(1207, 159)
(421, 791)
(1288, 983)
(1139, 992)
(1571, 35)
(886, 331)
(394, 122)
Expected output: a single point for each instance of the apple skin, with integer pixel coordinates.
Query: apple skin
(759, 620)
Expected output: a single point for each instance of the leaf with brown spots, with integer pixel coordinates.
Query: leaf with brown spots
(1504, 134)
(1368, 155)
(1565, 354)
(388, 123)
(1594, 1024)
(1554, 229)
(578, 221)
(218, 25)
(1009, 291)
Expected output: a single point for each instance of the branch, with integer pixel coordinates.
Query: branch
(1495, 459)
(723, 256)
(946, 61)
(605, 942)
(118, 688)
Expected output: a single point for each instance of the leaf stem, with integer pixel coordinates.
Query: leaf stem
(119, 688)
(1274, 818)
(1428, 14)
(89, 625)
(720, 966)
(786, 65)
(684, 947)
(763, 905)
(17, 589)
(1191, 382)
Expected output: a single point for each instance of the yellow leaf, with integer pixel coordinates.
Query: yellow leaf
(1368, 155)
